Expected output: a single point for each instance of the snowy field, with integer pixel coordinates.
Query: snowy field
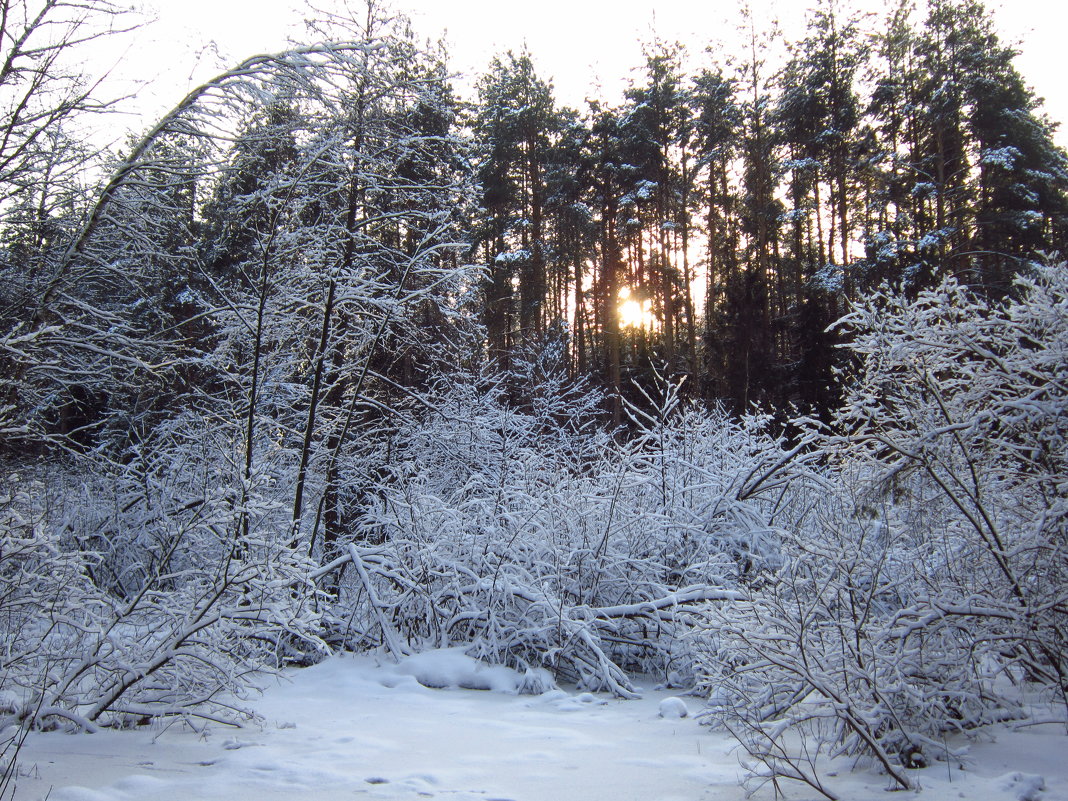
(351, 728)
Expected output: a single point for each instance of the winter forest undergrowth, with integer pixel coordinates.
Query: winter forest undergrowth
(755, 385)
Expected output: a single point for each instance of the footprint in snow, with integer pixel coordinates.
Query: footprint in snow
(233, 744)
(568, 703)
(590, 699)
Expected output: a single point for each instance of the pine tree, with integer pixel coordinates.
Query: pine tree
(1021, 197)
(751, 374)
(891, 205)
(573, 236)
(818, 116)
(971, 182)
(655, 130)
(514, 126)
(609, 178)
(715, 131)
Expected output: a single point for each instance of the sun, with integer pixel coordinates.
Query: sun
(634, 312)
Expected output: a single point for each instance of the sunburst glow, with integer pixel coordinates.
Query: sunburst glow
(634, 312)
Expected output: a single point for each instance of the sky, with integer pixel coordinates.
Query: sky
(588, 48)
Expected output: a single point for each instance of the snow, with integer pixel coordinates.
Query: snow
(513, 257)
(357, 727)
(1003, 157)
(451, 668)
(830, 278)
(674, 707)
(1024, 786)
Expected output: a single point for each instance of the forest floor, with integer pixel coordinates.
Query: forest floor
(351, 728)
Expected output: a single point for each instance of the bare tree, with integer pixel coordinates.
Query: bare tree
(171, 562)
(930, 574)
(47, 102)
(41, 89)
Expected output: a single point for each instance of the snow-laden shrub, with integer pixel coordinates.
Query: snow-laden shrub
(820, 662)
(535, 539)
(967, 402)
(933, 571)
(148, 589)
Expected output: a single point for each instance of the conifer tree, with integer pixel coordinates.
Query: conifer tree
(514, 127)
(750, 371)
(655, 127)
(716, 131)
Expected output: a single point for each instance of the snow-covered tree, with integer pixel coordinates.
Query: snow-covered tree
(185, 535)
(531, 537)
(965, 400)
(929, 574)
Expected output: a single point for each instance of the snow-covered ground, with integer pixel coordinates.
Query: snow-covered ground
(352, 728)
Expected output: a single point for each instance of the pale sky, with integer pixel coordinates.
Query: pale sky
(587, 47)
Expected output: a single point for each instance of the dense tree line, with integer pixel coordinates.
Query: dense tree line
(742, 209)
(714, 223)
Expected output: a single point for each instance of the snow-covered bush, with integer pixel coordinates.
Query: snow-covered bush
(818, 662)
(933, 569)
(535, 539)
(147, 589)
(967, 402)
(205, 363)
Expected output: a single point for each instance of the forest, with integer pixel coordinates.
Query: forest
(756, 382)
